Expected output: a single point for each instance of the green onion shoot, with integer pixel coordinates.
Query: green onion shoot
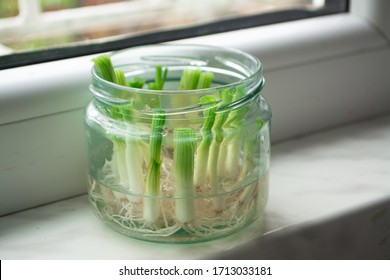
(152, 191)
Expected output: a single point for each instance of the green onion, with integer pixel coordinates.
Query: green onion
(127, 152)
(205, 80)
(209, 103)
(136, 82)
(151, 202)
(104, 68)
(202, 155)
(189, 79)
(184, 141)
(218, 136)
(160, 78)
(120, 77)
(229, 165)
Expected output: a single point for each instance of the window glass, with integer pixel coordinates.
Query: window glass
(42, 25)
(8, 8)
(55, 5)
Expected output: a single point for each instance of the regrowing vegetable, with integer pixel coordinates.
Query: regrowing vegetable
(202, 158)
(184, 152)
(214, 155)
(151, 202)
(169, 174)
(127, 160)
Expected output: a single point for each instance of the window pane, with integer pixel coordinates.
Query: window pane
(55, 5)
(8, 8)
(60, 26)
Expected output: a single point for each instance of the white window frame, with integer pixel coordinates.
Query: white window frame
(320, 73)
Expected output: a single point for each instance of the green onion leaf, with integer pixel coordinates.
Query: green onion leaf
(104, 68)
(205, 80)
(136, 82)
(189, 79)
(151, 202)
(202, 155)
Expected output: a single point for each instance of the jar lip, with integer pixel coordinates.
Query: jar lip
(196, 107)
(256, 74)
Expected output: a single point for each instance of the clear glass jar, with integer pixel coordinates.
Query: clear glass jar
(164, 166)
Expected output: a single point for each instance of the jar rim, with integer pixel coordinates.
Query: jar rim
(232, 69)
(256, 74)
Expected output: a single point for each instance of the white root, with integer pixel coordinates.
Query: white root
(239, 208)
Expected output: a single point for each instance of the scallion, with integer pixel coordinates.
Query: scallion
(127, 159)
(209, 103)
(218, 136)
(152, 191)
(184, 140)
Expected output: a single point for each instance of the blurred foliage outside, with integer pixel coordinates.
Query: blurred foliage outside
(9, 8)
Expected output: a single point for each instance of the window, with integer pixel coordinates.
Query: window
(42, 30)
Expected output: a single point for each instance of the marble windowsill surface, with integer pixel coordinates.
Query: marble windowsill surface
(314, 179)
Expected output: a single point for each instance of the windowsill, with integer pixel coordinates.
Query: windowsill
(313, 179)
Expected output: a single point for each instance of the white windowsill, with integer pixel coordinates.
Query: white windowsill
(313, 179)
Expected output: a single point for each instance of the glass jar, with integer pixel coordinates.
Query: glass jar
(179, 165)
